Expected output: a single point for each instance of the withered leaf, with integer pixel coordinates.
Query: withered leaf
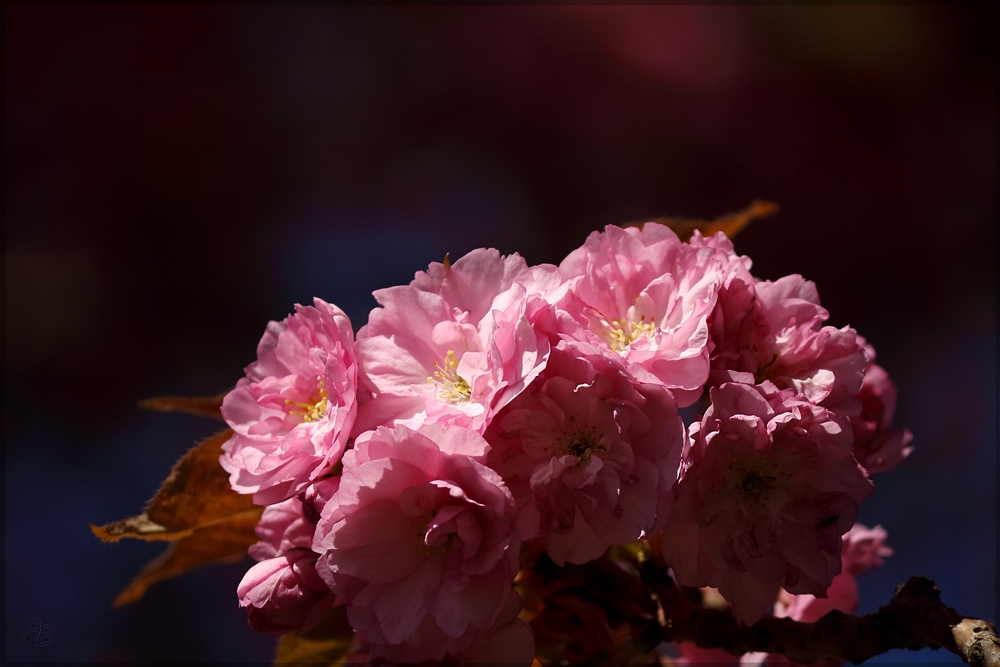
(203, 406)
(730, 224)
(196, 506)
(223, 542)
(195, 494)
(330, 643)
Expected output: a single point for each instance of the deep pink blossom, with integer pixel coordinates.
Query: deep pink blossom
(285, 593)
(773, 331)
(420, 540)
(455, 345)
(769, 486)
(590, 453)
(646, 296)
(863, 549)
(692, 654)
(509, 641)
(878, 447)
(293, 412)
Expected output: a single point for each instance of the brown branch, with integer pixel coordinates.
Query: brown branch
(914, 619)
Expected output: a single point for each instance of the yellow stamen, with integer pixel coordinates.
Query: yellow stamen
(452, 388)
(624, 332)
(311, 412)
(581, 443)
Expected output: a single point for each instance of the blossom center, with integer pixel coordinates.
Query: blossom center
(312, 412)
(431, 542)
(764, 369)
(622, 333)
(452, 388)
(753, 483)
(581, 443)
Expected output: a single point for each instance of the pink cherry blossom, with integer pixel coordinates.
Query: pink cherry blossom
(293, 412)
(737, 324)
(455, 345)
(767, 489)
(736, 266)
(863, 549)
(591, 454)
(420, 540)
(692, 654)
(285, 593)
(292, 523)
(281, 528)
(509, 641)
(876, 446)
(773, 331)
(646, 296)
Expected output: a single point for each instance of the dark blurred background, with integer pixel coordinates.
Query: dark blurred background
(174, 178)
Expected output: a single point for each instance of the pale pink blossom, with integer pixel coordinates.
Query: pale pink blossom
(455, 345)
(293, 412)
(646, 296)
(767, 489)
(420, 540)
(773, 331)
(285, 593)
(736, 267)
(878, 447)
(864, 549)
(591, 454)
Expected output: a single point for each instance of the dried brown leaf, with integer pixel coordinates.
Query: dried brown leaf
(730, 224)
(139, 527)
(196, 508)
(203, 406)
(224, 542)
(195, 494)
(197, 491)
(330, 643)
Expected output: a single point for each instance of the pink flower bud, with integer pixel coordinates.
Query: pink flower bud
(285, 593)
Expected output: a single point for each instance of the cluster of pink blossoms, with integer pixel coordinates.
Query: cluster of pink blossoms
(488, 404)
(863, 549)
